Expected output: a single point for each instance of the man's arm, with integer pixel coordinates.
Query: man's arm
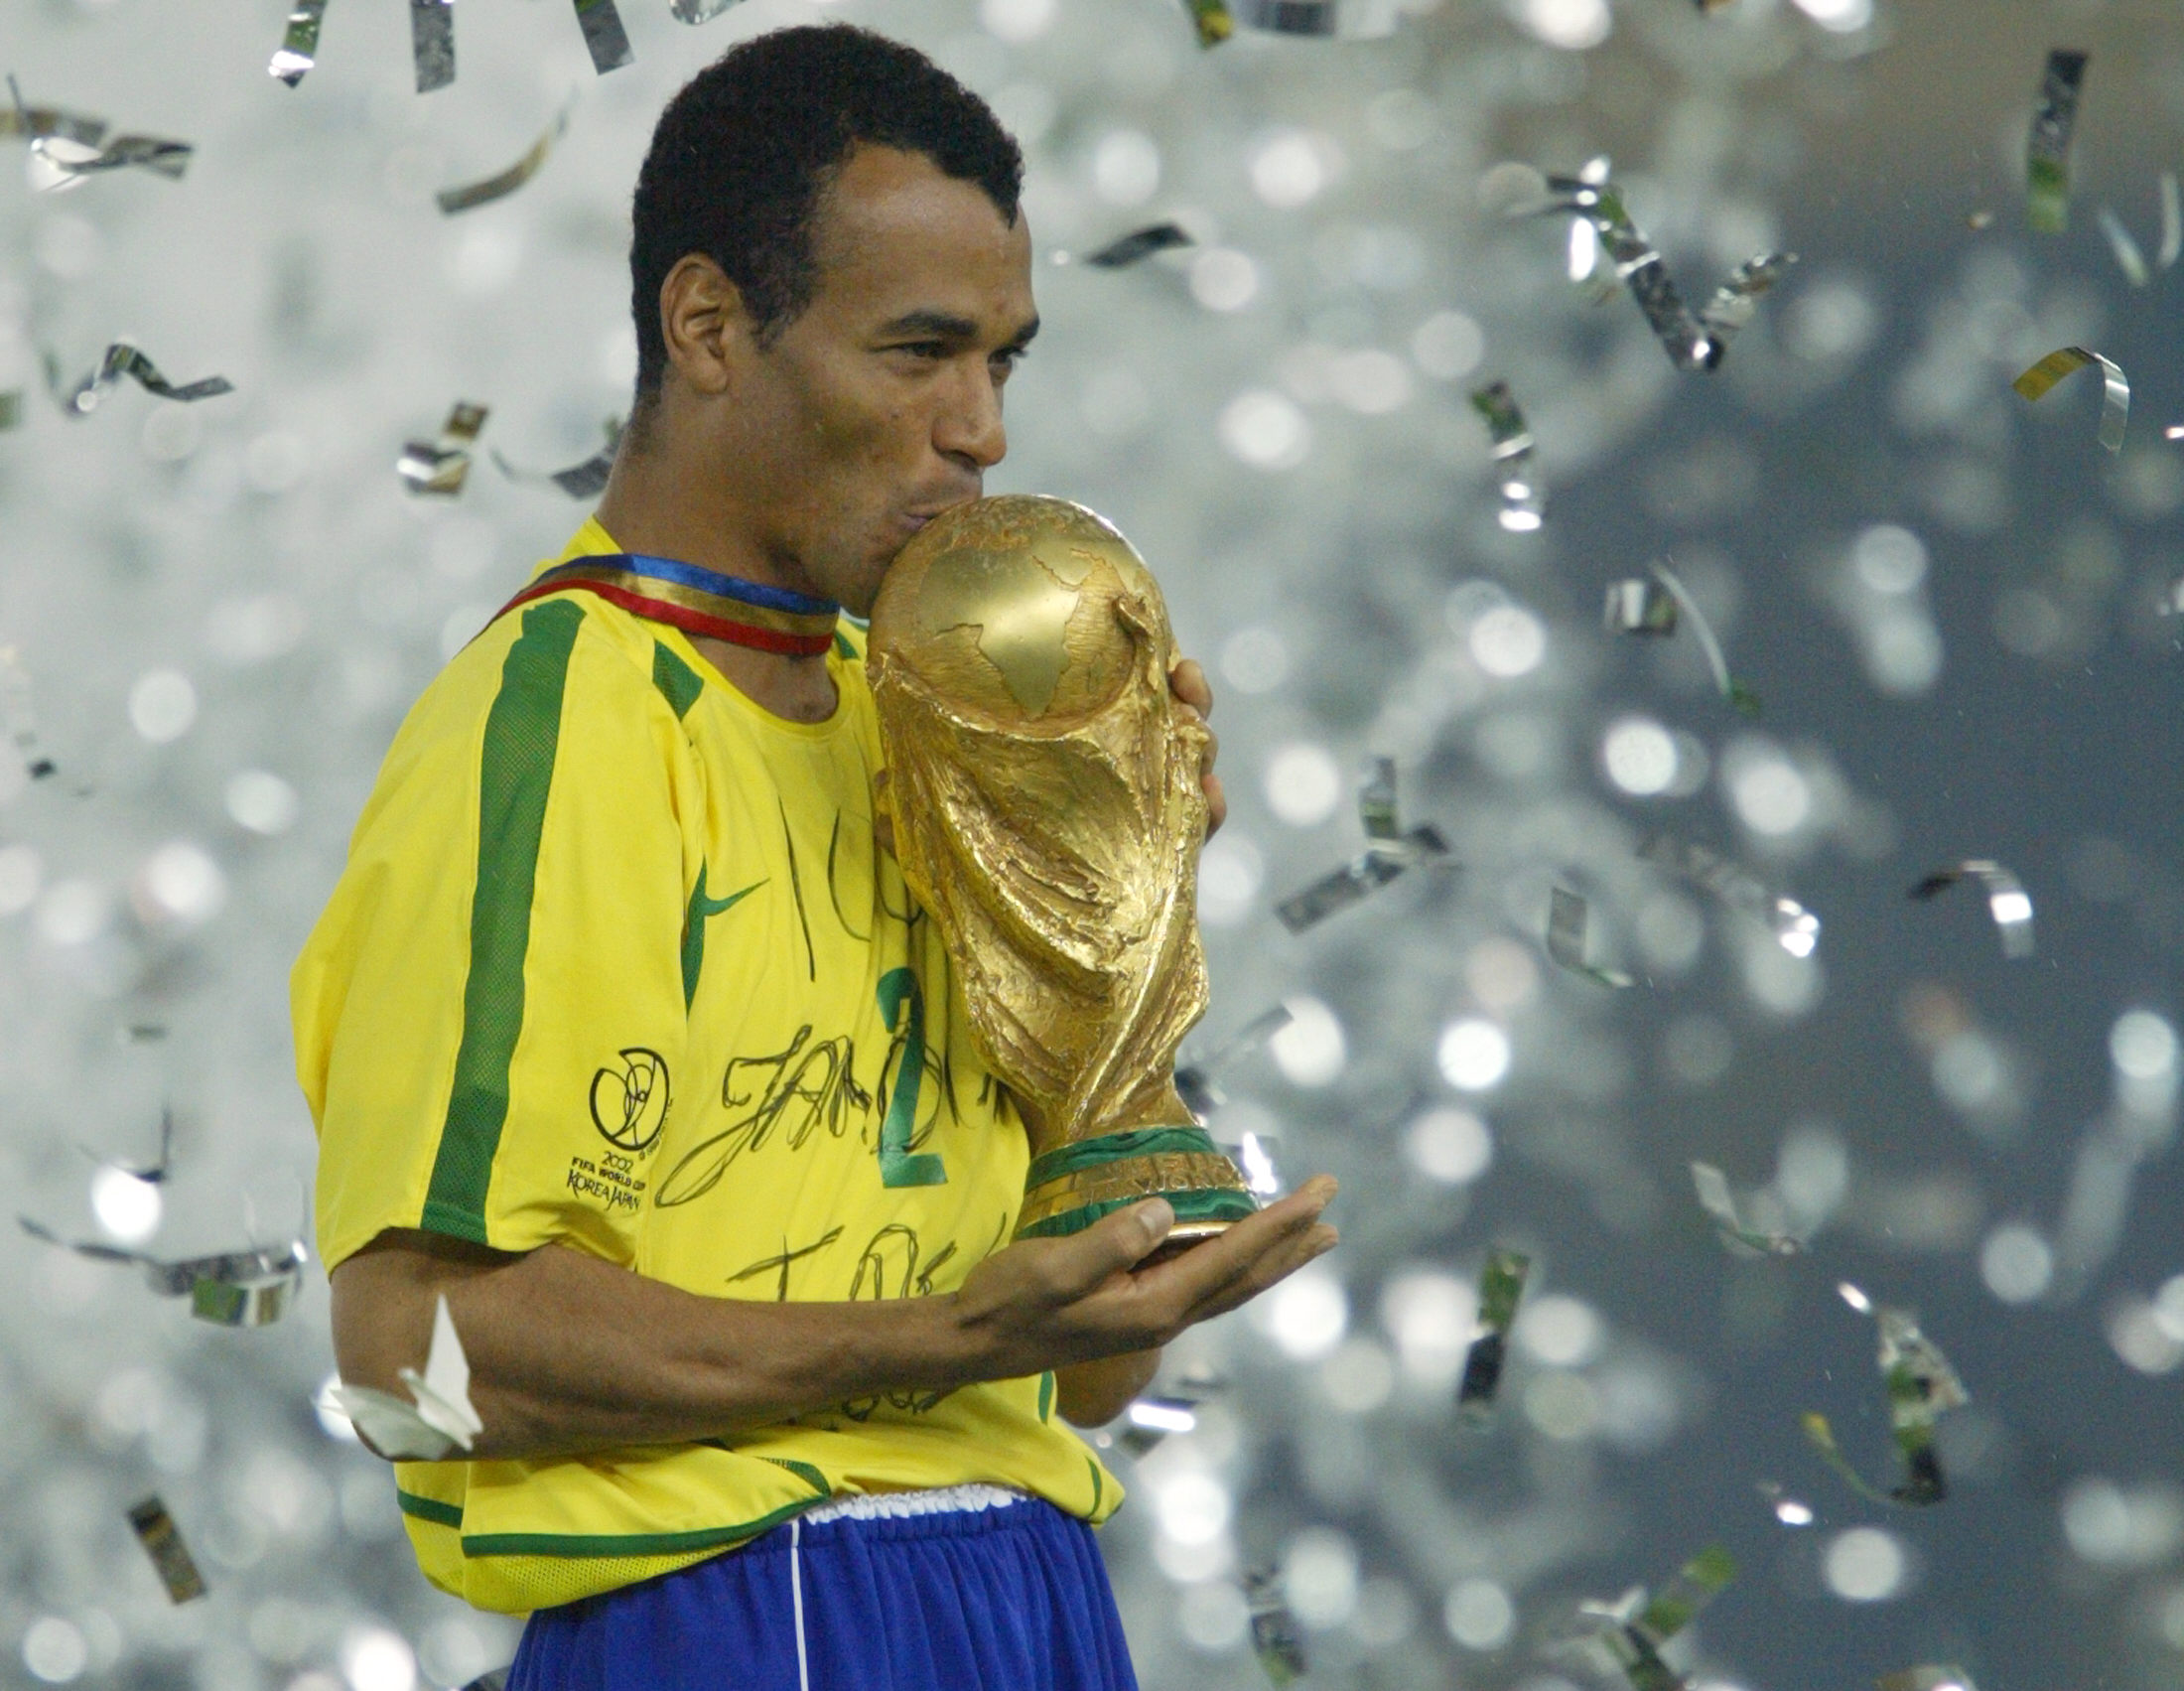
(1091, 1394)
(569, 1354)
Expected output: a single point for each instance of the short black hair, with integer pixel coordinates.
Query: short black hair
(741, 156)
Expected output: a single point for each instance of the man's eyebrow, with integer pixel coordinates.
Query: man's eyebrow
(946, 326)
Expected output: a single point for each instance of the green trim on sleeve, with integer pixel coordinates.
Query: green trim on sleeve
(677, 682)
(1046, 1394)
(429, 1508)
(516, 774)
(1098, 1489)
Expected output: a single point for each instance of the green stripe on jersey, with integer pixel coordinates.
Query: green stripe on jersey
(516, 773)
(677, 682)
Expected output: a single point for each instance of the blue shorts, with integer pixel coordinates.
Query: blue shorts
(1013, 1598)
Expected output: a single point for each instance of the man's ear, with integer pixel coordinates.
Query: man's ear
(704, 323)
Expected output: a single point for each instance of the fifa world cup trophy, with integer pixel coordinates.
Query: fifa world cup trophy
(1047, 813)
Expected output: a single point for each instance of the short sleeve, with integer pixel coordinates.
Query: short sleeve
(490, 1017)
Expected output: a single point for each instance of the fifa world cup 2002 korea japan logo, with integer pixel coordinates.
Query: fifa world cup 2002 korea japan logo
(630, 1100)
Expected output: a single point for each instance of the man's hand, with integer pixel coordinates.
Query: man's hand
(1043, 1302)
(1187, 681)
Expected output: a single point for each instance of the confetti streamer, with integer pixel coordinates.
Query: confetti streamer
(267, 1276)
(2129, 259)
(586, 481)
(1740, 697)
(1289, 17)
(1276, 1637)
(1921, 1388)
(698, 11)
(59, 161)
(1691, 342)
(443, 1419)
(1796, 930)
(1213, 20)
(2047, 153)
(1501, 1287)
(1927, 1678)
(124, 360)
(299, 48)
(1720, 1202)
(19, 720)
(2006, 898)
(1389, 851)
(1639, 607)
(1522, 503)
(604, 35)
(1567, 915)
(501, 184)
(1137, 246)
(2115, 400)
(432, 42)
(162, 1540)
(442, 467)
(1200, 1083)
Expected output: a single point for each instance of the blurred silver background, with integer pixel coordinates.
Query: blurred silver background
(1952, 605)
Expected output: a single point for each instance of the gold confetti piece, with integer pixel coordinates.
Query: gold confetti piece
(585, 480)
(1276, 1637)
(1501, 1288)
(604, 35)
(1200, 1083)
(18, 718)
(1522, 503)
(162, 1542)
(1213, 20)
(442, 467)
(2006, 898)
(1137, 246)
(504, 183)
(124, 360)
(442, 1420)
(299, 48)
(432, 42)
(1740, 697)
(1716, 1198)
(1568, 915)
(2047, 152)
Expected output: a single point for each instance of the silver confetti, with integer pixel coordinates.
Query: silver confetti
(1389, 852)
(17, 716)
(585, 480)
(1288, 16)
(698, 11)
(2115, 393)
(154, 1173)
(60, 160)
(1137, 246)
(41, 123)
(1796, 930)
(1639, 607)
(2006, 898)
(1276, 1637)
(124, 360)
(1739, 696)
(1200, 1083)
(2047, 152)
(1501, 1289)
(1719, 1201)
(1568, 915)
(2129, 259)
(432, 42)
(604, 35)
(1927, 1676)
(266, 1277)
(501, 184)
(442, 467)
(1522, 503)
(299, 48)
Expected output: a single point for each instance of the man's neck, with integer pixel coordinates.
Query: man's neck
(648, 509)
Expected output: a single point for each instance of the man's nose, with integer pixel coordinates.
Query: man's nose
(969, 427)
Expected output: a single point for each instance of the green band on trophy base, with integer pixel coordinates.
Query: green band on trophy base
(1070, 1188)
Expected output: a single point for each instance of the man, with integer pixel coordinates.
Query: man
(623, 1035)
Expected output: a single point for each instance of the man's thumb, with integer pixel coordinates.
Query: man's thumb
(1128, 1237)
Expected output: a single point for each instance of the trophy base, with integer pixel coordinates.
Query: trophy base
(1068, 1190)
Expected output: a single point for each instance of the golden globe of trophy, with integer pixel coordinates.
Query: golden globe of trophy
(1048, 810)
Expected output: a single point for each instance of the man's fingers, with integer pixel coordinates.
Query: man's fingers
(1268, 1271)
(1187, 680)
(1111, 1245)
(1207, 1270)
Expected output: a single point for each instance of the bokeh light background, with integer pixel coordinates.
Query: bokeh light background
(1952, 604)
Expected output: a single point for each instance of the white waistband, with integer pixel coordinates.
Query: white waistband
(898, 1505)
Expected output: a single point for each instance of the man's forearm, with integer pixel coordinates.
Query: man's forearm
(569, 1354)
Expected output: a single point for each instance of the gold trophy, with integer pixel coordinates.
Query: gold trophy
(1047, 813)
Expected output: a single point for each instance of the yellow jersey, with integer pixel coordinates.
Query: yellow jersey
(618, 964)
